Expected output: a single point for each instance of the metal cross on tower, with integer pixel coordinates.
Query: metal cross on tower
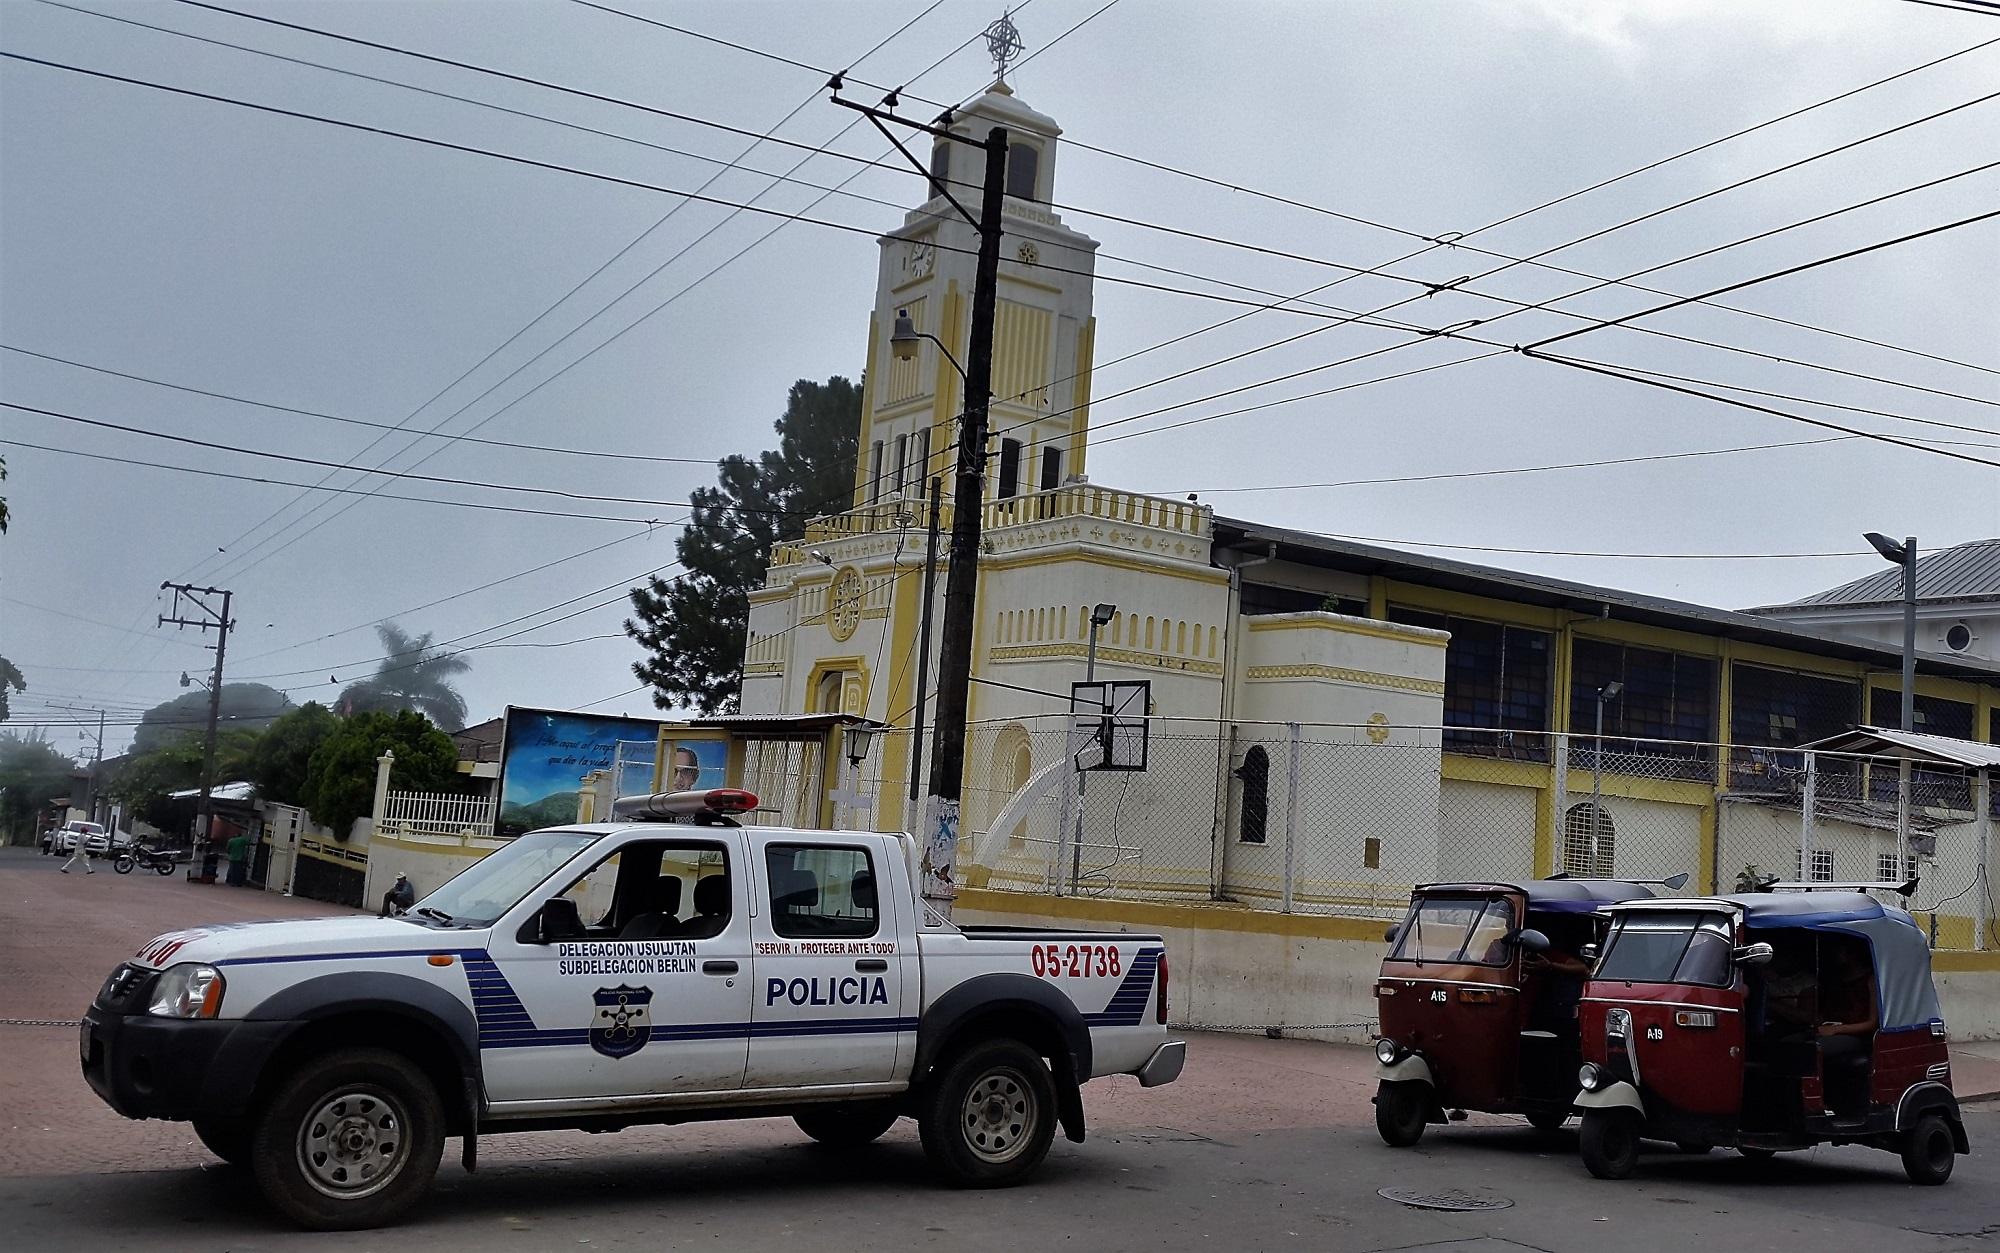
(1003, 43)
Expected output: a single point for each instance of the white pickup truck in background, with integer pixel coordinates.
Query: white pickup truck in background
(618, 974)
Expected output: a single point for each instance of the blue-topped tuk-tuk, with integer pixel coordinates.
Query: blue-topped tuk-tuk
(1478, 1000)
(1769, 1021)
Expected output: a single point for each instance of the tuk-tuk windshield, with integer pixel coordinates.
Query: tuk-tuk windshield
(1456, 930)
(1647, 946)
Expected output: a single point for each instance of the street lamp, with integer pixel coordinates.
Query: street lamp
(1100, 617)
(904, 338)
(1904, 555)
(1610, 691)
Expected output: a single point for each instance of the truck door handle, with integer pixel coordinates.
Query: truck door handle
(871, 965)
(718, 968)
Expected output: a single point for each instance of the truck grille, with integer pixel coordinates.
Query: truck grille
(126, 985)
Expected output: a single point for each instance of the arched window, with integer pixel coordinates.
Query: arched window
(1253, 815)
(828, 695)
(1589, 841)
(1024, 162)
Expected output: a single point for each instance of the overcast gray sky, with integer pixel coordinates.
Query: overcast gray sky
(356, 275)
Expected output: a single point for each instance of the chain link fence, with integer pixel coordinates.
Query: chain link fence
(1343, 820)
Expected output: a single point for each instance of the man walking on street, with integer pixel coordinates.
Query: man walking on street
(78, 850)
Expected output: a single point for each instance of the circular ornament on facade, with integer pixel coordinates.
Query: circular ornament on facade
(1378, 727)
(1028, 253)
(843, 604)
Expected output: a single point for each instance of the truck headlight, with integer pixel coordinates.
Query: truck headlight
(1387, 1051)
(1590, 1078)
(189, 990)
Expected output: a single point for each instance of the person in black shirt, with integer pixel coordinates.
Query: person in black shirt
(398, 899)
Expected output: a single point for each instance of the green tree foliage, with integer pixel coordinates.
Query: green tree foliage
(145, 780)
(32, 773)
(244, 705)
(412, 675)
(340, 778)
(10, 677)
(283, 753)
(693, 627)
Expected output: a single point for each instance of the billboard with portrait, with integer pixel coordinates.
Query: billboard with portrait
(694, 764)
(544, 755)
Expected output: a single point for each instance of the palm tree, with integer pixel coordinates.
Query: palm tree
(412, 675)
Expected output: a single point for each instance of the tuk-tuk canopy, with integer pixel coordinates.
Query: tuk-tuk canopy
(1560, 896)
(1905, 995)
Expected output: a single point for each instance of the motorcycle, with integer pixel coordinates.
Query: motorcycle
(156, 860)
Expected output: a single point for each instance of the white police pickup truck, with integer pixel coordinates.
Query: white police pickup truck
(604, 976)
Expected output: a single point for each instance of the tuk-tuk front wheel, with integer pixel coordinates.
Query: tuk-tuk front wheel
(1929, 1150)
(1548, 1122)
(1609, 1142)
(1401, 1111)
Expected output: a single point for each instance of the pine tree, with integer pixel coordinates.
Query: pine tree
(693, 626)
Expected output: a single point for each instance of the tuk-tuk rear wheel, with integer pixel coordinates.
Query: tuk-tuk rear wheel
(1609, 1142)
(1929, 1151)
(1401, 1112)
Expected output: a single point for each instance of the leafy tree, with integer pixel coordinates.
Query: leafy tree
(694, 627)
(32, 773)
(340, 777)
(413, 675)
(244, 705)
(3, 499)
(282, 754)
(10, 677)
(145, 780)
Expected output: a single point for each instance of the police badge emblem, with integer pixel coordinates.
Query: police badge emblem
(624, 1020)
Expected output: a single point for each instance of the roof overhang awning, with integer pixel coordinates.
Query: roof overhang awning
(785, 726)
(1940, 750)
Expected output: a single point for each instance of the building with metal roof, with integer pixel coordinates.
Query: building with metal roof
(1958, 604)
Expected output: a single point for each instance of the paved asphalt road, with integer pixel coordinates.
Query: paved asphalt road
(1263, 1145)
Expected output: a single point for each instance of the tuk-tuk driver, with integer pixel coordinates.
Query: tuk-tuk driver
(1847, 1030)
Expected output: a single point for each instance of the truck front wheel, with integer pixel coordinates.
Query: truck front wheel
(987, 1120)
(849, 1126)
(350, 1142)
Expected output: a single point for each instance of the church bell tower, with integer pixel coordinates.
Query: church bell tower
(1042, 325)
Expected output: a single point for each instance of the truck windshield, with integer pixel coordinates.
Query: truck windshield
(1659, 947)
(489, 887)
(1456, 930)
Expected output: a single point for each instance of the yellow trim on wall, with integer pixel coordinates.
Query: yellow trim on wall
(906, 609)
(1079, 418)
(1395, 631)
(1199, 915)
(1067, 553)
(867, 417)
(1340, 674)
(1123, 656)
(829, 665)
(945, 394)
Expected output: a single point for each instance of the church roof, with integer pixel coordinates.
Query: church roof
(1325, 551)
(1962, 572)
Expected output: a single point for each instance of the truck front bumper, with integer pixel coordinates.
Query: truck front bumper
(1164, 1066)
(176, 1069)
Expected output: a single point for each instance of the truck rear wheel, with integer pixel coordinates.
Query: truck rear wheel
(988, 1118)
(849, 1126)
(350, 1142)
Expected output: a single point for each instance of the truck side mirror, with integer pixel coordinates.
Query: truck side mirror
(1532, 941)
(557, 919)
(1757, 954)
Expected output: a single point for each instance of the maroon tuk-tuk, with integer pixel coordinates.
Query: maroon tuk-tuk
(1769, 1022)
(1478, 997)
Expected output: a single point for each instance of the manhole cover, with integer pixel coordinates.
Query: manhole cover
(1448, 1199)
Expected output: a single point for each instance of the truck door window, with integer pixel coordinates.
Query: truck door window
(821, 893)
(651, 890)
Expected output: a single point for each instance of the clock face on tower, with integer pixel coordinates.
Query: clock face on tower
(919, 258)
(843, 604)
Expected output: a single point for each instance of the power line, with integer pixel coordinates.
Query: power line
(392, 474)
(594, 454)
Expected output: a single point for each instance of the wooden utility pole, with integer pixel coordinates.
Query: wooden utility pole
(201, 600)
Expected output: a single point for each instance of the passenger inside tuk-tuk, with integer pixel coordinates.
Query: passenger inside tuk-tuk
(1847, 1021)
(1554, 977)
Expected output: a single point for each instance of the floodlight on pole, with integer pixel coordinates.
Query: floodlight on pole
(1610, 691)
(1904, 555)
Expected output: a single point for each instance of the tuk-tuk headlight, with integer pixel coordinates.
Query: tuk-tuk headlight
(1387, 1051)
(1590, 1078)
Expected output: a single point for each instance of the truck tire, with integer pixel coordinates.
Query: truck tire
(351, 1141)
(1929, 1151)
(227, 1138)
(988, 1118)
(1401, 1112)
(849, 1126)
(1609, 1142)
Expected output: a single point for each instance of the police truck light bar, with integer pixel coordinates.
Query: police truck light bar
(716, 802)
